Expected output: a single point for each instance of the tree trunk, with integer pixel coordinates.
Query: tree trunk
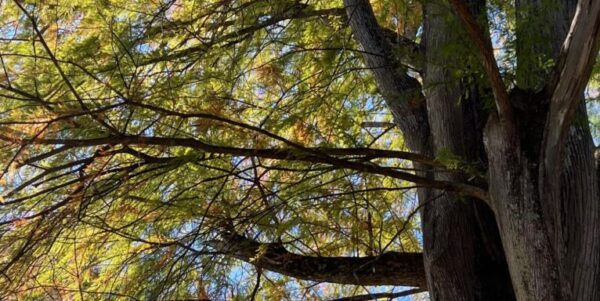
(476, 270)
(516, 203)
(572, 215)
(545, 210)
(556, 260)
(579, 213)
(463, 255)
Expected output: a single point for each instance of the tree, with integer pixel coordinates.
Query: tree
(248, 149)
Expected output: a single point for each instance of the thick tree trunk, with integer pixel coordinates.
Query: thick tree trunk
(553, 254)
(579, 213)
(463, 255)
(547, 210)
(514, 193)
(572, 215)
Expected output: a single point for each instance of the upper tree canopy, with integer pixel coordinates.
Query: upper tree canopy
(207, 149)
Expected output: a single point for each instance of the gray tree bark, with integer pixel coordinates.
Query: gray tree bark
(543, 185)
(462, 251)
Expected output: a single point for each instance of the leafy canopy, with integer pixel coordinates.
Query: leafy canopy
(134, 133)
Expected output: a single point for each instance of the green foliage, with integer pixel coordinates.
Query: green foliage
(116, 220)
(453, 162)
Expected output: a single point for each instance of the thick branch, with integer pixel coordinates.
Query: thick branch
(565, 88)
(301, 154)
(572, 74)
(375, 296)
(401, 92)
(483, 43)
(410, 53)
(392, 268)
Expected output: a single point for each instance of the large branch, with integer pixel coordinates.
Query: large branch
(401, 92)
(392, 268)
(409, 53)
(484, 45)
(565, 90)
(292, 154)
(377, 296)
(571, 75)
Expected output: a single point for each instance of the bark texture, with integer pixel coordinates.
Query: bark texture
(542, 182)
(570, 204)
(514, 191)
(463, 256)
(578, 214)
(391, 268)
(462, 251)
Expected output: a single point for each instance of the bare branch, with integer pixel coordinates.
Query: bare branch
(377, 124)
(486, 51)
(571, 74)
(376, 296)
(401, 92)
(392, 268)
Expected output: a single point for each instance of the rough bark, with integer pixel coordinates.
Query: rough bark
(401, 92)
(525, 167)
(570, 204)
(463, 257)
(542, 184)
(475, 270)
(546, 265)
(514, 192)
(391, 268)
(579, 215)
